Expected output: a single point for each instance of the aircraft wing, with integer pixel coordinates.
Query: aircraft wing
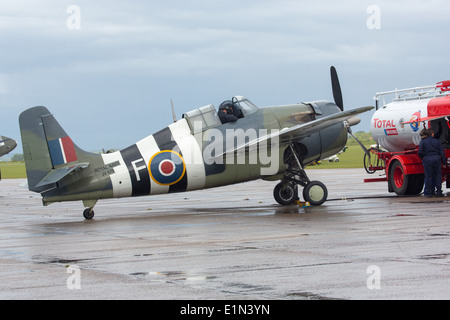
(57, 174)
(287, 135)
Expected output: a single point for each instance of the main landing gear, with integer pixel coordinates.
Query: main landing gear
(286, 192)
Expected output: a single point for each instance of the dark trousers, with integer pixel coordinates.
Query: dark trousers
(433, 175)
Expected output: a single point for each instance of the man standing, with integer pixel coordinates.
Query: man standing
(433, 157)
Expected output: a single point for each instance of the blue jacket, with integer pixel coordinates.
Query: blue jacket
(432, 147)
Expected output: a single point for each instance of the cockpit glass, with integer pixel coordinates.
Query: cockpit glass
(246, 105)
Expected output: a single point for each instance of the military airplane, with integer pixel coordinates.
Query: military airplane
(204, 149)
(6, 145)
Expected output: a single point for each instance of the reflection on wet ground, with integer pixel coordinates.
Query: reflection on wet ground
(240, 245)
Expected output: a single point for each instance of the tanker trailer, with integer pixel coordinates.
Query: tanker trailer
(396, 127)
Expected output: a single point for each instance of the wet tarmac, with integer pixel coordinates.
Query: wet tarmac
(228, 243)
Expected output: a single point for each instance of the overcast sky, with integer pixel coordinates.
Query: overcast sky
(108, 69)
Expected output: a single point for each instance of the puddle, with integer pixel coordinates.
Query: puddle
(441, 256)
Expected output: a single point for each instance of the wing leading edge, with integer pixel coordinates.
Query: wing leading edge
(288, 135)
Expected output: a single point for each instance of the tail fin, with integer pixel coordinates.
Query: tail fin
(46, 148)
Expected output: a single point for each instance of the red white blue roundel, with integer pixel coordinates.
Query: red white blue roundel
(167, 168)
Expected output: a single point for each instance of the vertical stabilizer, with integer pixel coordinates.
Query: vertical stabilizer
(46, 146)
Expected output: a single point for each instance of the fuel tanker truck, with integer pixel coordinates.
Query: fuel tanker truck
(396, 127)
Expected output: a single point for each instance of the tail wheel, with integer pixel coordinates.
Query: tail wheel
(285, 194)
(315, 193)
(88, 213)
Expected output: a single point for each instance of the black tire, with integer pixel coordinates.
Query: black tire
(398, 179)
(88, 214)
(285, 194)
(416, 184)
(315, 193)
(403, 184)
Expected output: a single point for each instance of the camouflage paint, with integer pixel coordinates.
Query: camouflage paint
(171, 160)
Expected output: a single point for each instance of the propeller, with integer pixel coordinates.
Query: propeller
(173, 112)
(337, 94)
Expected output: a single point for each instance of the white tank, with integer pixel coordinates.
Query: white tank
(387, 126)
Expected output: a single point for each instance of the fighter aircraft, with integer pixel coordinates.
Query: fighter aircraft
(204, 149)
(6, 145)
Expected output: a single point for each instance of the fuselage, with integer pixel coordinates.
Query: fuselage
(200, 152)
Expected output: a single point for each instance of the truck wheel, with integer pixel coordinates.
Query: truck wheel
(416, 184)
(398, 179)
(403, 184)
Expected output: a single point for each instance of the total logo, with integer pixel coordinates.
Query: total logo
(378, 123)
(415, 126)
(387, 125)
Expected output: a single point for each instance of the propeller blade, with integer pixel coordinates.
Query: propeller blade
(337, 93)
(173, 112)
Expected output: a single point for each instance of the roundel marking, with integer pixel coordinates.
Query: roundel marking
(167, 167)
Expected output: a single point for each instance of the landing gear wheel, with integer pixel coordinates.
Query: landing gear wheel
(88, 214)
(315, 193)
(285, 194)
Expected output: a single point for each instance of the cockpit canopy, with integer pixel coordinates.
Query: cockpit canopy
(246, 105)
(207, 117)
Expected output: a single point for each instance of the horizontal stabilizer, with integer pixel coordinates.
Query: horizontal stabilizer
(56, 175)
